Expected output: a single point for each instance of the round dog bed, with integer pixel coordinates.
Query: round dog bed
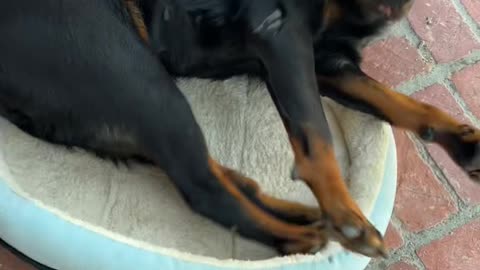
(70, 210)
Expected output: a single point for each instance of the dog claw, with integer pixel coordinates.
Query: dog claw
(356, 234)
(308, 245)
(474, 175)
(368, 243)
(473, 167)
(294, 174)
(428, 134)
(351, 232)
(272, 22)
(374, 252)
(467, 155)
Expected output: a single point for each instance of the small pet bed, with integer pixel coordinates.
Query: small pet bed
(70, 210)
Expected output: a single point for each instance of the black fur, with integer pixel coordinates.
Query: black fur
(75, 72)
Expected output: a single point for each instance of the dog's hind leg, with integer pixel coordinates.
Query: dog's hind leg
(154, 121)
(167, 133)
(163, 129)
(91, 83)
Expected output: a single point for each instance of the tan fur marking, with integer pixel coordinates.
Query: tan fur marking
(264, 220)
(137, 19)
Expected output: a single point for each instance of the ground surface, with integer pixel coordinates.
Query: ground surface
(435, 57)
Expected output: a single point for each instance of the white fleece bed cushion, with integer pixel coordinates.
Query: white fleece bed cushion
(140, 207)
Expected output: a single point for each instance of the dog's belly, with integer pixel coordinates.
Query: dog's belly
(220, 60)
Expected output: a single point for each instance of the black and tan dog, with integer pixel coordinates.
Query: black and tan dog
(99, 74)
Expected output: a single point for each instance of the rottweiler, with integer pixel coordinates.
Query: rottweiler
(100, 75)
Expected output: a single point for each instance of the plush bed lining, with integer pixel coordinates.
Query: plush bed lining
(249, 138)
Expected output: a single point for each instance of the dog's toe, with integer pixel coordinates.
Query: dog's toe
(472, 165)
(463, 146)
(309, 245)
(467, 152)
(355, 233)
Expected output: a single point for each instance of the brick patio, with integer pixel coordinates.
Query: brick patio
(435, 57)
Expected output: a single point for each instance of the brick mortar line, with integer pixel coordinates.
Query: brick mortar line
(453, 222)
(452, 89)
(413, 242)
(408, 253)
(437, 172)
(469, 21)
(441, 74)
(438, 74)
(404, 29)
(397, 255)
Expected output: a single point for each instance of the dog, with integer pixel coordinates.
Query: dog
(100, 75)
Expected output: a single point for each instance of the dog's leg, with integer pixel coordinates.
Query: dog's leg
(359, 91)
(210, 189)
(290, 211)
(260, 216)
(177, 146)
(213, 190)
(217, 192)
(287, 54)
(105, 91)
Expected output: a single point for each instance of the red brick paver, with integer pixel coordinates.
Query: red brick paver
(439, 96)
(442, 29)
(393, 239)
(402, 266)
(473, 8)
(430, 183)
(467, 82)
(8, 261)
(404, 61)
(458, 251)
(422, 202)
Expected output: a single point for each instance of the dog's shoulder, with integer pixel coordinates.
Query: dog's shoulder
(214, 11)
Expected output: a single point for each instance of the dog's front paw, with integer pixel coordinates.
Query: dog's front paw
(351, 229)
(469, 156)
(463, 146)
(310, 245)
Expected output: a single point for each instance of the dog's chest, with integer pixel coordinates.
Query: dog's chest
(198, 48)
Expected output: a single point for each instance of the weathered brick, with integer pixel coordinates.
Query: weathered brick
(421, 202)
(445, 33)
(467, 81)
(473, 8)
(393, 238)
(459, 250)
(402, 266)
(404, 61)
(439, 96)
